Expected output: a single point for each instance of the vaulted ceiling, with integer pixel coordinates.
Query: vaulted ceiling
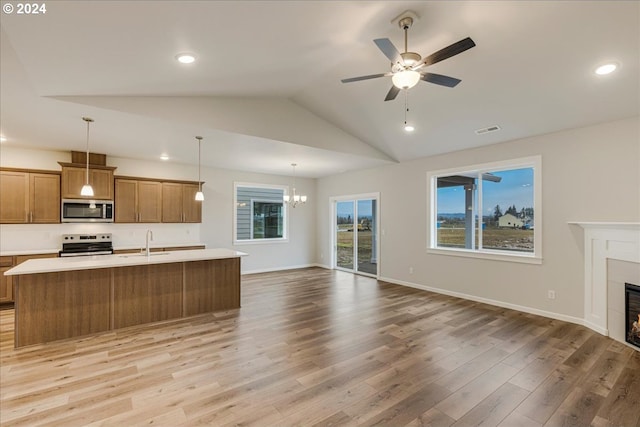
(265, 89)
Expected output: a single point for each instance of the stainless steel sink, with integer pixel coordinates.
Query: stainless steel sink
(141, 255)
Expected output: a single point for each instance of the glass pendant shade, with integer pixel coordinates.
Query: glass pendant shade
(405, 79)
(199, 196)
(87, 190)
(286, 198)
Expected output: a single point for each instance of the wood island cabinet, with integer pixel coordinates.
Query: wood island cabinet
(179, 204)
(29, 197)
(74, 177)
(59, 304)
(138, 200)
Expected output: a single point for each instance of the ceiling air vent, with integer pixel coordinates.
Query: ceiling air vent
(493, 128)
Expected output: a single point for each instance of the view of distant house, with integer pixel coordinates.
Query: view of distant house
(509, 220)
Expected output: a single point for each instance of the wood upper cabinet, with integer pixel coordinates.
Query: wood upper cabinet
(137, 200)
(191, 207)
(179, 204)
(100, 178)
(29, 197)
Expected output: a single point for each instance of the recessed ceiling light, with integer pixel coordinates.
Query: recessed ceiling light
(164, 156)
(186, 58)
(606, 69)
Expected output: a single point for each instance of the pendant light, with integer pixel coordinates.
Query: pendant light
(87, 190)
(199, 194)
(294, 199)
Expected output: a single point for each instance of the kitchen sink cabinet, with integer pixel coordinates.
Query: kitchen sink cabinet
(138, 200)
(29, 197)
(74, 177)
(179, 204)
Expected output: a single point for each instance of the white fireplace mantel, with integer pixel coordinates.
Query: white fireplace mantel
(604, 241)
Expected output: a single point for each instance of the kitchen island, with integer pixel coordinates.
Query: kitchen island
(58, 298)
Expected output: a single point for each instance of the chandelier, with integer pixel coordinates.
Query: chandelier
(294, 199)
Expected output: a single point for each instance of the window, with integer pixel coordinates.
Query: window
(488, 211)
(260, 213)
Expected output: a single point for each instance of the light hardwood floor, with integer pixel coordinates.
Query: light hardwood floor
(318, 347)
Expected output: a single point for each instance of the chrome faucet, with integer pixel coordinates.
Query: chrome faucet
(148, 238)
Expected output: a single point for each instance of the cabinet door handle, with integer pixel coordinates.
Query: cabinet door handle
(31, 216)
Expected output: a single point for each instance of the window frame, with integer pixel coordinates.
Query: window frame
(534, 162)
(285, 214)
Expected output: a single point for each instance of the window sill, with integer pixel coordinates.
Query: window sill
(524, 259)
(259, 242)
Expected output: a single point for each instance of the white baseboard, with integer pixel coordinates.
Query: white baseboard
(284, 268)
(502, 304)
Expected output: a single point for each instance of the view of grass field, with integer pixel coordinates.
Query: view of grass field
(512, 239)
(345, 249)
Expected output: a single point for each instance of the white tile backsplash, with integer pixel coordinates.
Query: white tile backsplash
(46, 237)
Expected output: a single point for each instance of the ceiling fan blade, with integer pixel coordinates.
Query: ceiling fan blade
(389, 50)
(371, 76)
(393, 92)
(447, 52)
(441, 80)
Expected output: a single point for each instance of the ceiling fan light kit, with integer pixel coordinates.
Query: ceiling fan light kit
(408, 68)
(405, 79)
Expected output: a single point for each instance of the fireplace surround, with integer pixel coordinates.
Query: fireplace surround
(604, 241)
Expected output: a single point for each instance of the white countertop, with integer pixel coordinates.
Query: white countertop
(49, 265)
(30, 252)
(115, 248)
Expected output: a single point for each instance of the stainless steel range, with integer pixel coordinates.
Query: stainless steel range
(86, 244)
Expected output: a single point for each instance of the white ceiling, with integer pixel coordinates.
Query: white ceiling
(266, 90)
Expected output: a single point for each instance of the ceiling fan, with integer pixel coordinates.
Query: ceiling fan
(407, 68)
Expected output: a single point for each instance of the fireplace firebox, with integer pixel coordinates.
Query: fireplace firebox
(632, 304)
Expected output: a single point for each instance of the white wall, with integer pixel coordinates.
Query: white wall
(217, 213)
(588, 174)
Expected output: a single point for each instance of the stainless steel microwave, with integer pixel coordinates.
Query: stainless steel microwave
(80, 210)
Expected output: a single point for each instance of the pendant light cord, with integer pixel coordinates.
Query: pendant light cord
(406, 105)
(87, 152)
(199, 162)
(88, 120)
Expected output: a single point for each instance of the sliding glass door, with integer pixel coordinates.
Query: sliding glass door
(356, 235)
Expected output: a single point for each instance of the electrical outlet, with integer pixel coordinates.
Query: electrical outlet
(410, 270)
(551, 294)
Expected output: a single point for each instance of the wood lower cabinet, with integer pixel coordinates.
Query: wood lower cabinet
(6, 282)
(74, 177)
(138, 200)
(179, 204)
(29, 197)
